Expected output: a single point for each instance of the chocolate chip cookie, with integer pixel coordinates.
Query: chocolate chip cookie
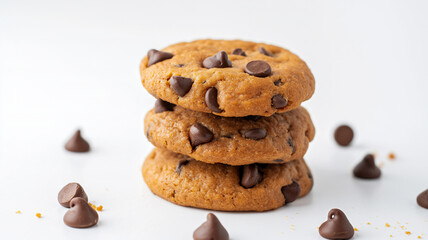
(228, 78)
(257, 187)
(234, 141)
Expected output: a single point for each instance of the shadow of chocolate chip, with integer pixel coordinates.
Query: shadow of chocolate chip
(180, 165)
(156, 56)
(291, 192)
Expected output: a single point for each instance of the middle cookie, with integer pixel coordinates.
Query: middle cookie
(208, 138)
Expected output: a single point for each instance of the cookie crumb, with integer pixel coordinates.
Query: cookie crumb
(419, 237)
(368, 223)
(387, 225)
(18, 212)
(391, 156)
(39, 215)
(356, 229)
(100, 208)
(390, 235)
(407, 232)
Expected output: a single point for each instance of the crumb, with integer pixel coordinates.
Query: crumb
(390, 235)
(100, 208)
(368, 223)
(93, 206)
(356, 229)
(407, 232)
(387, 225)
(391, 156)
(39, 215)
(18, 212)
(419, 237)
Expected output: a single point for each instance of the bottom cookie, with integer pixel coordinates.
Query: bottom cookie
(257, 187)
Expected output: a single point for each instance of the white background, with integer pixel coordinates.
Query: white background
(74, 64)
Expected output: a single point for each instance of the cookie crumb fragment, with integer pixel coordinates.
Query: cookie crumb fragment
(100, 208)
(387, 225)
(39, 215)
(356, 229)
(419, 237)
(18, 212)
(407, 232)
(391, 156)
(368, 223)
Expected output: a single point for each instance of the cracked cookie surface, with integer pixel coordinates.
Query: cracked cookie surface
(205, 137)
(231, 78)
(187, 182)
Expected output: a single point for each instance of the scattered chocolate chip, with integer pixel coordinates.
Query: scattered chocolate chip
(278, 82)
(291, 192)
(199, 134)
(239, 51)
(212, 229)
(367, 168)
(70, 191)
(220, 60)
(343, 135)
(156, 56)
(291, 144)
(251, 176)
(255, 133)
(423, 199)
(263, 51)
(211, 100)
(180, 165)
(278, 160)
(258, 68)
(278, 101)
(163, 106)
(80, 214)
(77, 143)
(180, 85)
(337, 226)
(253, 118)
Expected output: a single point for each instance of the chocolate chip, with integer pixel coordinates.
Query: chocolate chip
(180, 85)
(258, 68)
(255, 133)
(239, 51)
(212, 229)
(180, 165)
(337, 226)
(291, 192)
(220, 60)
(422, 199)
(251, 176)
(180, 65)
(344, 135)
(77, 143)
(211, 100)
(80, 214)
(278, 160)
(199, 134)
(291, 144)
(278, 82)
(70, 191)
(163, 106)
(367, 168)
(253, 118)
(263, 51)
(278, 101)
(156, 56)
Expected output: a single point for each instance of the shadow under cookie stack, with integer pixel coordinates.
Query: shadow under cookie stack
(228, 127)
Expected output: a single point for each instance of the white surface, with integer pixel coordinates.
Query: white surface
(70, 64)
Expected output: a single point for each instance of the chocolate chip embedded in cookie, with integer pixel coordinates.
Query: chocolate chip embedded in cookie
(229, 78)
(213, 139)
(243, 188)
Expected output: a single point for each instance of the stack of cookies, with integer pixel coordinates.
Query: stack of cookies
(228, 126)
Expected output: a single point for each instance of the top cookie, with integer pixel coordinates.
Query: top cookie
(228, 78)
